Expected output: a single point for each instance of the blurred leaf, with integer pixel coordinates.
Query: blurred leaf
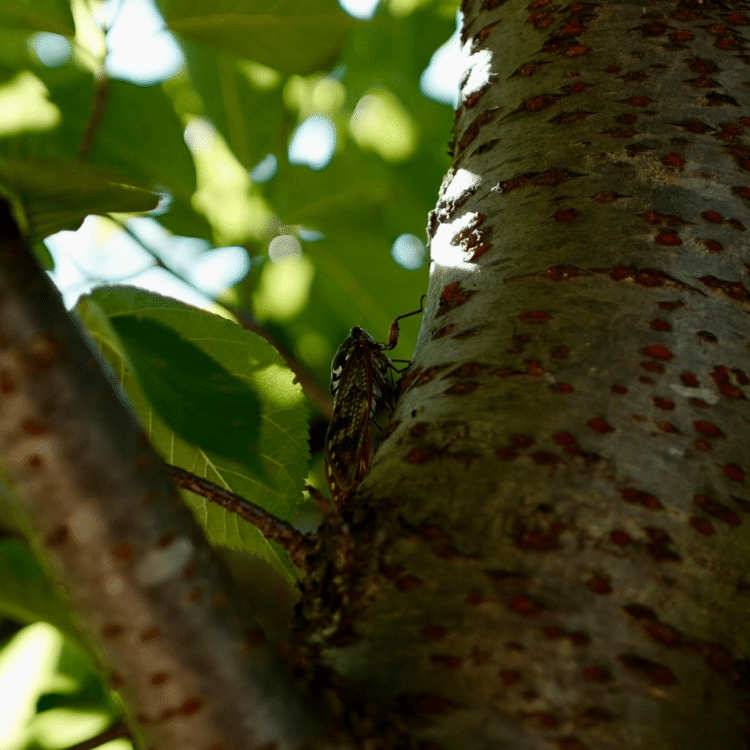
(26, 595)
(139, 135)
(42, 15)
(250, 119)
(283, 431)
(15, 54)
(184, 384)
(289, 35)
(59, 194)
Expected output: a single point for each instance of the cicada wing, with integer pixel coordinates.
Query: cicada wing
(347, 438)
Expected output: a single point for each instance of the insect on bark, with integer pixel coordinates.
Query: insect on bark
(360, 384)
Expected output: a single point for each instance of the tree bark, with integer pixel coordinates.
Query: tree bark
(551, 548)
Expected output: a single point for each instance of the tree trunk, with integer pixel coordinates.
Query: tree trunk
(550, 549)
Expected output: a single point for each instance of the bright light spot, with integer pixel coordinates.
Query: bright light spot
(26, 664)
(448, 255)
(310, 235)
(380, 123)
(199, 135)
(264, 170)
(461, 182)
(141, 49)
(24, 105)
(479, 68)
(219, 269)
(313, 142)
(283, 246)
(284, 288)
(408, 251)
(362, 9)
(53, 50)
(440, 79)
(328, 95)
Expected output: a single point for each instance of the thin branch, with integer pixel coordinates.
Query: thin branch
(296, 543)
(96, 112)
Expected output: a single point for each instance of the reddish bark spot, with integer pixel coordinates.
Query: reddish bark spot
(600, 425)
(34, 426)
(112, 630)
(577, 50)
(620, 389)
(612, 69)
(620, 538)
(663, 403)
(707, 336)
(567, 214)
(453, 295)
(651, 366)
(474, 600)
(419, 455)
(597, 673)
(159, 678)
(657, 351)
(522, 441)
(673, 160)
(57, 536)
(523, 605)
(150, 634)
(122, 553)
(509, 676)
(6, 383)
(717, 510)
(668, 239)
(708, 428)
(713, 246)
(564, 438)
(461, 389)
(434, 632)
(701, 525)
(599, 585)
(659, 324)
(560, 353)
(639, 497)
(190, 706)
(561, 388)
(713, 216)
(534, 316)
(35, 462)
(689, 380)
(668, 427)
(647, 669)
(734, 472)
(408, 583)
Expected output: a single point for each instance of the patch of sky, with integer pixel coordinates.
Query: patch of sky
(409, 252)
(313, 143)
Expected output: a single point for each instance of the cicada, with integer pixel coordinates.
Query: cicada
(361, 382)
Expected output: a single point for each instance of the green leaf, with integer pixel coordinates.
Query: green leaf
(41, 15)
(59, 194)
(139, 135)
(250, 118)
(26, 595)
(282, 445)
(184, 384)
(289, 35)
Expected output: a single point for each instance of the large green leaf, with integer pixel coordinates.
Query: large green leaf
(59, 194)
(289, 35)
(41, 15)
(139, 135)
(250, 118)
(184, 384)
(282, 445)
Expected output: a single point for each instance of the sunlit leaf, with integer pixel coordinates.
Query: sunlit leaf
(282, 445)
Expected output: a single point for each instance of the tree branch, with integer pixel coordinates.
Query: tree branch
(101, 513)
